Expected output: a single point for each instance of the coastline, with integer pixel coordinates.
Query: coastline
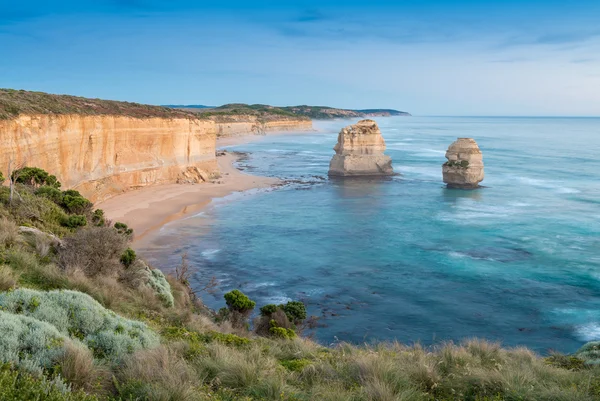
(148, 209)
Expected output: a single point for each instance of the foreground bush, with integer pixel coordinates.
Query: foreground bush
(158, 282)
(28, 342)
(17, 385)
(94, 250)
(79, 316)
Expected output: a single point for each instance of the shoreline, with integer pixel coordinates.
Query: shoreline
(148, 209)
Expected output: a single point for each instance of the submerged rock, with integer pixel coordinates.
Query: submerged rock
(464, 168)
(359, 152)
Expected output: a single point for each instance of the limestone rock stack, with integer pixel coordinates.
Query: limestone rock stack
(464, 168)
(359, 152)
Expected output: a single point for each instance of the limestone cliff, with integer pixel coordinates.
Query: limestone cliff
(103, 155)
(359, 152)
(248, 125)
(464, 168)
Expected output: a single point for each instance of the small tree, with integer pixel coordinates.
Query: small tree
(35, 177)
(240, 307)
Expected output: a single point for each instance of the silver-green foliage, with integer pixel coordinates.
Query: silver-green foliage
(28, 342)
(158, 282)
(80, 316)
(590, 353)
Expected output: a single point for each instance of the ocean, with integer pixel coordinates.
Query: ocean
(404, 258)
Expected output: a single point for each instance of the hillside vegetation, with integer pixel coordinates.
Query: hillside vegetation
(16, 102)
(268, 113)
(83, 317)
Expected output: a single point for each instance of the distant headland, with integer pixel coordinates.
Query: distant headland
(312, 112)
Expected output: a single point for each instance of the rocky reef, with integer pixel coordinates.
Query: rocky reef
(359, 152)
(464, 168)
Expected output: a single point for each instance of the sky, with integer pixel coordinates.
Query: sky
(427, 57)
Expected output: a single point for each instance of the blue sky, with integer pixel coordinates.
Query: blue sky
(429, 57)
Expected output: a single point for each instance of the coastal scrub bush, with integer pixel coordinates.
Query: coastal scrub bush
(94, 250)
(28, 209)
(54, 194)
(240, 307)
(590, 353)
(32, 273)
(28, 342)
(2, 179)
(238, 301)
(18, 385)
(123, 229)
(128, 257)
(98, 218)
(281, 332)
(74, 221)
(35, 177)
(80, 316)
(295, 311)
(158, 282)
(74, 203)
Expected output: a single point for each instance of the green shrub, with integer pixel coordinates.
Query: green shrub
(80, 316)
(98, 218)
(238, 301)
(76, 204)
(295, 311)
(268, 310)
(123, 229)
(281, 332)
(51, 193)
(158, 282)
(464, 163)
(74, 221)
(128, 257)
(295, 365)
(1, 178)
(16, 385)
(28, 342)
(35, 177)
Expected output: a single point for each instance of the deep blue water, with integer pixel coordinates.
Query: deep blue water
(404, 258)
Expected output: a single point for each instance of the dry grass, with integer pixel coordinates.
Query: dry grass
(9, 233)
(160, 374)
(8, 279)
(78, 367)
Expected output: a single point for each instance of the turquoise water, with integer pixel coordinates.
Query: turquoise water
(404, 258)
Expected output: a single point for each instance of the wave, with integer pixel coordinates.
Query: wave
(588, 332)
(536, 182)
(209, 253)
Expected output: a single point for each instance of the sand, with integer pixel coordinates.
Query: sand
(147, 209)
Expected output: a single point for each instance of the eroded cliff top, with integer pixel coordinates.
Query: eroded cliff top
(15, 102)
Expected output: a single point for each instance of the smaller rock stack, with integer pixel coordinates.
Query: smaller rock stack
(464, 168)
(359, 152)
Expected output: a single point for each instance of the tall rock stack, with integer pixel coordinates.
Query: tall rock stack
(359, 152)
(464, 168)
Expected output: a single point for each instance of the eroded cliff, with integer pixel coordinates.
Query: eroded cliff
(103, 155)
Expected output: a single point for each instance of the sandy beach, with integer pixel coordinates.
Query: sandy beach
(148, 209)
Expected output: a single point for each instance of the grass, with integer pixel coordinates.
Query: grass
(196, 358)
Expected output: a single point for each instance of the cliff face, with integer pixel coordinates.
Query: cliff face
(359, 151)
(251, 125)
(102, 156)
